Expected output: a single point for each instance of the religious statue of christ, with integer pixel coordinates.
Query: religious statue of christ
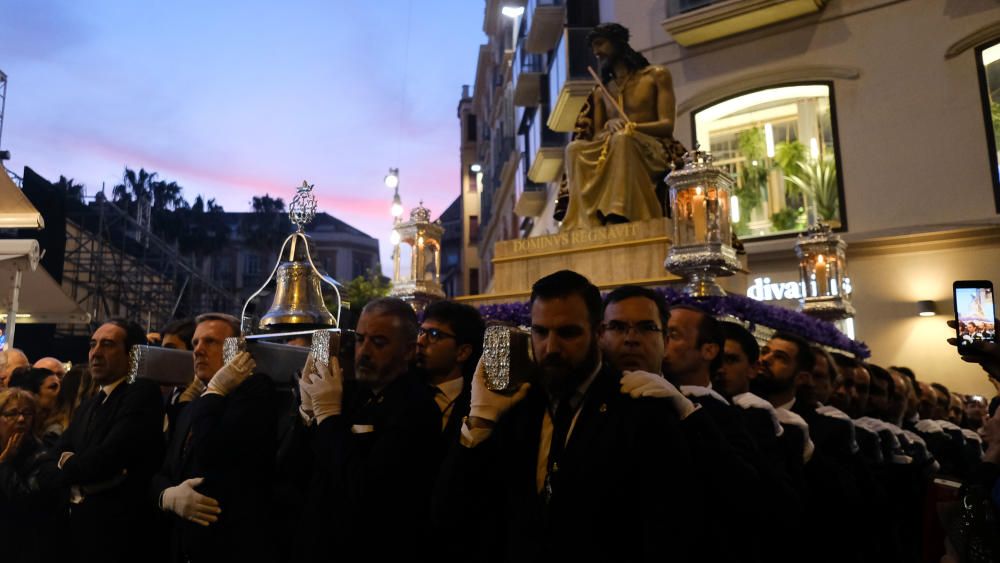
(623, 144)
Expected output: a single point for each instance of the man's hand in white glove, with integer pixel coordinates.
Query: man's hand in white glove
(306, 405)
(324, 385)
(189, 504)
(231, 375)
(192, 392)
(644, 384)
(489, 405)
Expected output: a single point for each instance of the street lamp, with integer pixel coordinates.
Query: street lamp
(397, 206)
(476, 168)
(392, 179)
(512, 11)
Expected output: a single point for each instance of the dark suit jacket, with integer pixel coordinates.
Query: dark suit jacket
(374, 470)
(230, 441)
(117, 446)
(625, 489)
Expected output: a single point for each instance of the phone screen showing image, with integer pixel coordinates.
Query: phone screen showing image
(975, 315)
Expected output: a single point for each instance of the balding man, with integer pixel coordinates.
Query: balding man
(11, 360)
(53, 365)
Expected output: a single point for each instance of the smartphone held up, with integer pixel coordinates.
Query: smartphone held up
(975, 315)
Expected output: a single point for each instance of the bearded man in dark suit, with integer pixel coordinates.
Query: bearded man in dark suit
(568, 468)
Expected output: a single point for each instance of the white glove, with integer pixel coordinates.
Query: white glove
(231, 375)
(490, 405)
(928, 426)
(699, 391)
(748, 401)
(189, 504)
(192, 392)
(644, 384)
(788, 417)
(306, 404)
(325, 387)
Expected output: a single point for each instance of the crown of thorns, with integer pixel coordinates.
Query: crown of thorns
(614, 32)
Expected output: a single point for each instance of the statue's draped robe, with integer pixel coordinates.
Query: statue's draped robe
(623, 183)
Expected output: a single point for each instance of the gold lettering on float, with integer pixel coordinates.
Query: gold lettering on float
(565, 240)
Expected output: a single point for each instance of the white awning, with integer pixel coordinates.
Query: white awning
(16, 212)
(41, 299)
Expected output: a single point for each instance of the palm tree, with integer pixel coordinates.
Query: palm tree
(166, 195)
(134, 186)
(70, 188)
(267, 226)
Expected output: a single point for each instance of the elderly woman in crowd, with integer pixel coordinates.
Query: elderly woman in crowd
(45, 385)
(26, 513)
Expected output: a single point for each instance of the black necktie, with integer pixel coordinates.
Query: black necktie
(560, 428)
(101, 396)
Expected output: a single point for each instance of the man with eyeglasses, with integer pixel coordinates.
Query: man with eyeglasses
(375, 441)
(449, 343)
(688, 344)
(567, 467)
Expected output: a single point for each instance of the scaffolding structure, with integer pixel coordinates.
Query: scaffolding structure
(116, 267)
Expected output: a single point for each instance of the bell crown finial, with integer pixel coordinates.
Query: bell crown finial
(303, 207)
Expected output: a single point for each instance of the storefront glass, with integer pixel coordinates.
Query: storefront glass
(780, 145)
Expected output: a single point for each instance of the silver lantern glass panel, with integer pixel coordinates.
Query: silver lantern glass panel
(700, 196)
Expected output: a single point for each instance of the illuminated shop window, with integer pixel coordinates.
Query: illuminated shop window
(781, 147)
(988, 61)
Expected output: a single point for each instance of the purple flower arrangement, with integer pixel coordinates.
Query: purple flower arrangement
(741, 307)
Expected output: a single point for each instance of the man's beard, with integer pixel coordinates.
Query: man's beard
(766, 384)
(559, 377)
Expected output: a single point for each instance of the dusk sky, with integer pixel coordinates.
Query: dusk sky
(236, 99)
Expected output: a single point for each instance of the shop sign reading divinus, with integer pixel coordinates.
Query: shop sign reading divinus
(763, 289)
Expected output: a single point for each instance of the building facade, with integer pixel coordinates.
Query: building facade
(875, 116)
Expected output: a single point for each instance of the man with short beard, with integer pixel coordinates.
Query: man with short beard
(568, 468)
(375, 440)
(109, 453)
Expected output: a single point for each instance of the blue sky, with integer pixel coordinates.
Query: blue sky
(235, 99)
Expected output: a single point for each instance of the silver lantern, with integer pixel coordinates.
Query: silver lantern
(826, 289)
(702, 237)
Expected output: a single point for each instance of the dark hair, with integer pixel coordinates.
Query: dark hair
(618, 35)
(942, 389)
(29, 378)
(629, 291)
(184, 329)
(395, 307)
(467, 324)
(233, 322)
(743, 337)
(843, 361)
(134, 335)
(883, 374)
(905, 371)
(831, 365)
(804, 359)
(564, 283)
(709, 332)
